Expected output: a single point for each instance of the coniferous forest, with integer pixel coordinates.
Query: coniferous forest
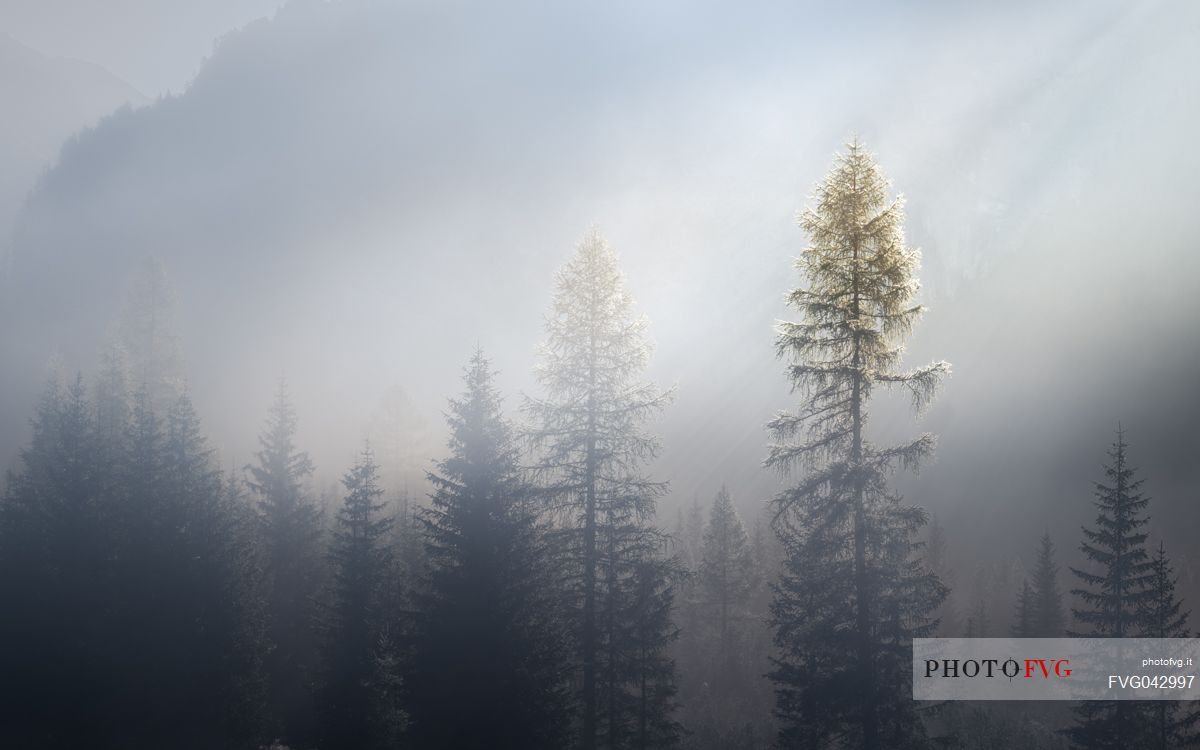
(334, 416)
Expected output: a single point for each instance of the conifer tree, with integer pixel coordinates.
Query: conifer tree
(487, 668)
(52, 579)
(1113, 593)
(1022, 617)
(937, 557)
(720, 671)
(726, 582)
(635, 672)
(589, 429)
(689, 649)
(137, 624)
(983, 591)
(148, 337)
(360, 561)
(247, 655)
(689, 534)
(112, 397)
(853, 593)
(1046, 616)
(1170, 724)
(209, 628)
(651, 632)
(290, 530)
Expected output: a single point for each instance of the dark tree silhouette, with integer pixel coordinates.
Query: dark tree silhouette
(54, 576)
(122, 567)
(290, 532)
(1113, 593)
(487, 669)
(360, 560)
(1170, 724)
(1022, 616)
(1046, 608)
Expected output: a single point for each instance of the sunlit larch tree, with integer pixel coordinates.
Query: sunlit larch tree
(588, 431)
(854, 591)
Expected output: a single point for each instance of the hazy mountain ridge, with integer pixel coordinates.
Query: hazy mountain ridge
(47, 100)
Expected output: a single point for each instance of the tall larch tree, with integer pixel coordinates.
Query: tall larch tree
(1047, 619)
(1112, 593)
(360, 560)
(589, 432)
(488, 668)
(854, 591)
(290, 532)
(1170, 724)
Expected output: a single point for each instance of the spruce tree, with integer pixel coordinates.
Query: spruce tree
(650, 634)
(589, 432)
(720, 672)
(1047, 619)
(635, 673)
(726, 584)
(1113, 593)
(487, 668)
(127, 606)
(689, 649)
(937, 556)
(979, 614)
(853, 593)
(1170, 724)
(290, 531)
(209, 630)
(53, 577)
(360, 561)
(689, 534)
(1023, 615)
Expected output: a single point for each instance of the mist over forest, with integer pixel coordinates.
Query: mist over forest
(352, 226)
